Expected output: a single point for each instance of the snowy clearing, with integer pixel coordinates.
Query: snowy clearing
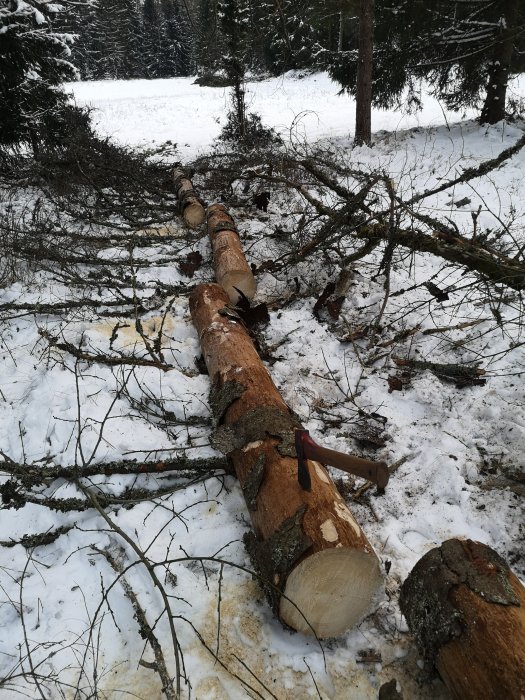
(147, 113)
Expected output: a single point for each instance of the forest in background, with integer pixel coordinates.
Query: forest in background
(379, 51)
(459, 47)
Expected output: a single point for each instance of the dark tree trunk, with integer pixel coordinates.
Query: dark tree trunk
(341, 32)
(240, 105)
(363, 120)
(290, 61)
(494, 107)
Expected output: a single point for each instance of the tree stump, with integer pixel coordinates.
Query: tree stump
(316, 565)
(231, 268)
(190, 205)
(466, 610)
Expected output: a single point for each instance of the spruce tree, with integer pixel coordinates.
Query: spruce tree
(132, 63)
(208, 36)
(234, 19)
(292, 40)
(83, 24)
(109, 40)
(34, 61)
(177, 52)
(153, 39)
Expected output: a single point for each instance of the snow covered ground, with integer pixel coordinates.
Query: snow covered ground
(457, 443)
(150, 112)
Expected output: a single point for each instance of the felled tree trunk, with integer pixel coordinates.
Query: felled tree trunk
(466, 610)
(190, 205)
(231, 267)
(317, 566)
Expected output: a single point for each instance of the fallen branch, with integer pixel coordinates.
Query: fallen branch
(462, 374)
(496, 268)
(472, 173)
(38, 539)
(102, 359)
(457, 327)
(36, 474)
(17, 492)
(150, 567)
(145, 629)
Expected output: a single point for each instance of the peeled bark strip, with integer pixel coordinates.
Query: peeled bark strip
(466, 610)
(307, 545)
(231, 268)
(190, 205)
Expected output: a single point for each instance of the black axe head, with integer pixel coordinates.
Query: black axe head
(303, 475)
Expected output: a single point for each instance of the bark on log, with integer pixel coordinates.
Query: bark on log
(190, 205)
(231, 268)
(307, 545)
(466, 610)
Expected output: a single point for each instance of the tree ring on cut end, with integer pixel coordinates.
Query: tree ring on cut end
(333, 589)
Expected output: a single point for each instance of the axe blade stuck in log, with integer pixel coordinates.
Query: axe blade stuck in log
(307, 448)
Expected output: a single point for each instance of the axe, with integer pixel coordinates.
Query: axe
(306, 448)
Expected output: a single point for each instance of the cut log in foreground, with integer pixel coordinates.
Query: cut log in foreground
(321, 573)
(190, 205)
(466, 610)
(231, 268)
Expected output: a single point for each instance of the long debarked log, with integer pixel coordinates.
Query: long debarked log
(307, 544)
(231, 268)
(190, 205)
(466, 610)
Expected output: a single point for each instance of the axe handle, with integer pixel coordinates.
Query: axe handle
(377, 472)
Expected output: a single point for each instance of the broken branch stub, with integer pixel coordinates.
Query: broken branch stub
(231, 267)
(317, 566)
(190, 205)
(466, 610)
